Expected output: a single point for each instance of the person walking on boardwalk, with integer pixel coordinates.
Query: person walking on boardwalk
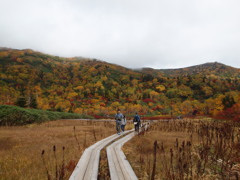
(136, 122)
(118, 118)
(124, 121)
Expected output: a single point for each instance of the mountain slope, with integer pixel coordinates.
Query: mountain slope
(207, 69)
(91, 86)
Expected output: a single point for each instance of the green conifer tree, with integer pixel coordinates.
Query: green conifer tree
(21, 101)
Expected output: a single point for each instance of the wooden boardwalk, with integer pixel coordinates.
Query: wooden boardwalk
(119, 167)
(88, 165)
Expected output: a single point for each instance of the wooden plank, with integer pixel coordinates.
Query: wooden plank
(120, 168)
(88, 165)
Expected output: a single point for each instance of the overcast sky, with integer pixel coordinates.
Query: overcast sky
(132, 33)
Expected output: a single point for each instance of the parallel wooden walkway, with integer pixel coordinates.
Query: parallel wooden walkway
(87, 167)
(119, 167)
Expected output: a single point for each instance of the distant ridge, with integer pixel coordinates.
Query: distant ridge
(207, 69)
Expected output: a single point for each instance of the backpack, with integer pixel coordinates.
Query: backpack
(119, 117)
(136, 118)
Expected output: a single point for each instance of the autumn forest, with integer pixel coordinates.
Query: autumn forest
(88, 86)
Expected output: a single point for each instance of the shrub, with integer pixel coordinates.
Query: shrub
(13, 115)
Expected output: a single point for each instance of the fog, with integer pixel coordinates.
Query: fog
(134, 34)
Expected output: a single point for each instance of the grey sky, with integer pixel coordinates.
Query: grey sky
(132, 33)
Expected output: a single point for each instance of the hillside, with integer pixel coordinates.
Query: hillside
(207, 69)
(91, 86)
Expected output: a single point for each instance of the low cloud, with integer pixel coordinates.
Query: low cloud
(137, 33)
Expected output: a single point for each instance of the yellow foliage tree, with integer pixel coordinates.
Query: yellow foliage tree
(63, 105)
(4, 53)
(153, 94)
(115, 105)
(161, 88)
(72, 95)
(186, 107)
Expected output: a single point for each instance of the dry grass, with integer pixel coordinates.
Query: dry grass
(184, 150)
(21, 147)
(140, 149)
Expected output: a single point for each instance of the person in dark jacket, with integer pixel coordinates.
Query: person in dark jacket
(136, 122)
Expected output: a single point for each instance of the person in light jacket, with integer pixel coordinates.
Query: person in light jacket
(124, 122)
(118, 118)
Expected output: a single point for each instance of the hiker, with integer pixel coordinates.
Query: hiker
(118, 118)
(124, 121)
(136, 122)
